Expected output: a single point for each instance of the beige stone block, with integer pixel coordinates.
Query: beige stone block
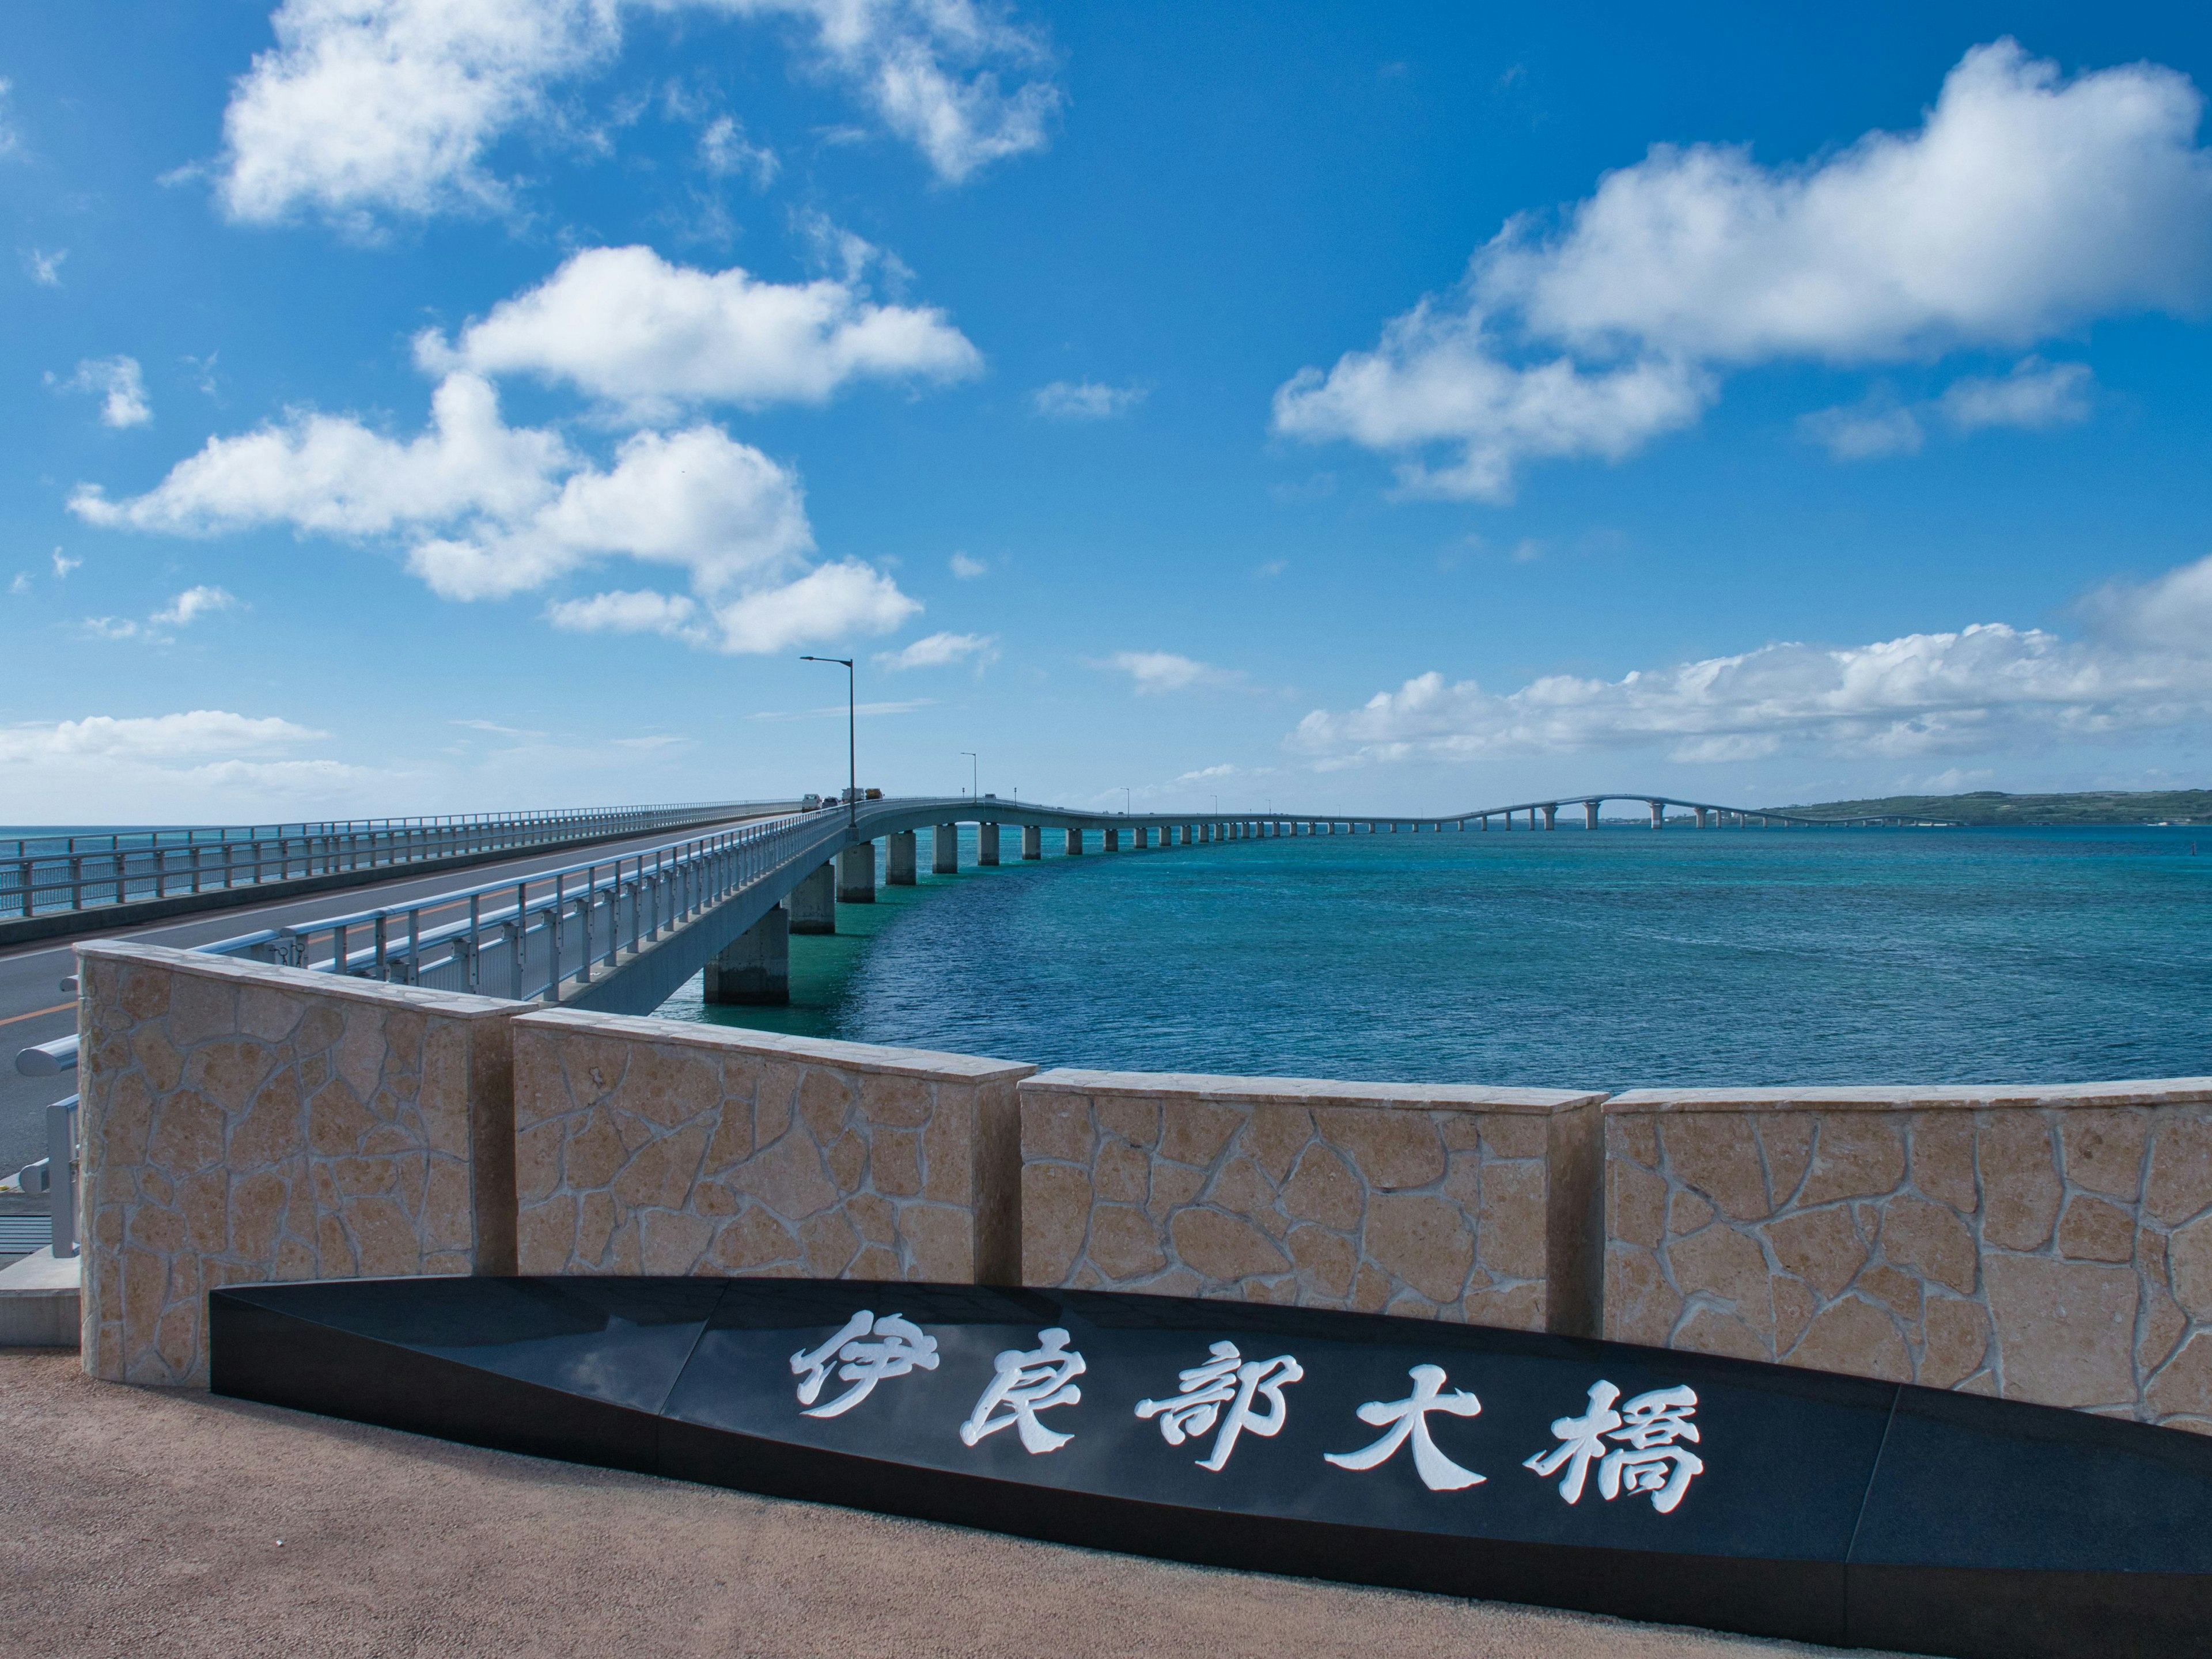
(1056, 1127)
(1944, 1159)
(896, 1159)
(337, 1122)
(899, 1101)
(121, 1123)
(163, 1066)
(941, 1243)
(1710, 1331)
(322, 1022)
(1055, 1216)
(1424, 1242)
(2181, 1181)
(875, 1216)
(731, 1143)
(1511, 1308)
(1124, 1243)
(1241, 1189)
(668, 1084)
(948, 1150)
(1326, 1260)
(1194, 1131)
(1795, 1305)
(2184, 1386)
(267, 1013)
(1174, 1185)
(1392, 1150)
(537, 1160)
(830, 1243)
(2163, 1325)
(597, 1217)
(257, 1210)
(1634, 1136)
(825, 1098)
(160, 1231)
(1410, 1305)
(2189, 1267)
(1505, 1135)
(2065, 1330)
(1729, 1267)
(143, 991)
(384, 1239)
(1855, 1155)
(1462, 1132)
(1370, 1289)
(1511, 1225)
(359, 1053)
(672, 1241)
(1930, 1239)
(788, 1178)
(594, 1152)
(1898, 1291)
(1717, 1153)
(2105, 1150)
(1820, 1247)
(271, 1130)
(847, 1159)
(1955, 1340)
(772, 1101)
(756, 1239)
(187, 1133)
(545, 1235)
(2020, 1179)
(1636, 1203)
(2096, 1230)
(1685, 1212)
(661, 1173)
(1222, 1247)
(1136, 1122)
(1121, 1173)
(201, 1007)
(875, 1261)
(1640, 1305)
(1323, 1188)
(1857, 1338)
(1786, 1140)
(228, 1071)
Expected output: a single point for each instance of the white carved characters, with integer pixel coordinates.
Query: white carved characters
(1025, 1384)
(1438, 1471)
(1651, 1460)
(900, 1346)
(1228, 1379)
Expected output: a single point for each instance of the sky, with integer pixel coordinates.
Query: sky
(441, 405)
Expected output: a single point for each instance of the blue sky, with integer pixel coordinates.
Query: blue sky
(424, 407)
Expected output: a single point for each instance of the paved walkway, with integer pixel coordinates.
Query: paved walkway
(144, 1522)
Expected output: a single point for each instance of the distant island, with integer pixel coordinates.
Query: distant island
(1992, 806)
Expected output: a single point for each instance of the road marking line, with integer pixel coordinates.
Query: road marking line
(37, 1013)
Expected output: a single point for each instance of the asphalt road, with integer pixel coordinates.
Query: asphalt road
(34, 1009)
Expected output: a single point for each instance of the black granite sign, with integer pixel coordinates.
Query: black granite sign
(1636, 1481)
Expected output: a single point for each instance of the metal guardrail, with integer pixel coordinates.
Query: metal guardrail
(43, 874)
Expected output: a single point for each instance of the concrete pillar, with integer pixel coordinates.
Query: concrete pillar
(1589, 815)
(754, 969)
(1658, 815)
(945, 849)
(1075, 843)
(1551, 817)
(987, 843)
(1700, 811)
(1032, 841)
(1112, 840)
(901, 874)
(813, 902)
(856, 874)
(1486, 823)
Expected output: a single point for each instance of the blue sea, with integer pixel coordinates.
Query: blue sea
(1616, 959)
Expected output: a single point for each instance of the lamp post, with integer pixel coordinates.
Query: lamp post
(974, 774)
(852, 738)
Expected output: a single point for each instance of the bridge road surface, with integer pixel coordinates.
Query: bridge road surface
(34, 1009)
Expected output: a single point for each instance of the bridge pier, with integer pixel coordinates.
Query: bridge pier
(1113, 840)
(1550, 818)
(944, 850)
(856, 874)
(1658, 814)
(902, 870)
(1075, 843)
(987, 843)
(1032, 841)
(754, 969)
(1700, 811)
(814, 902)
(1589, 815)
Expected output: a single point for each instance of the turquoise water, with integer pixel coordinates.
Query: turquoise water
(1613, 960)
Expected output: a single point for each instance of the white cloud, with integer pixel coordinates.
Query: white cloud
(1154, 672)
(965, 568)
(940, 651)
(193, 604)
(200, 734)
(1865, 431)
(625, 613)
(11, 143)
(119, 385)
(827, 603)
(22, 585)
(207, 764)
(624, 324)
(2023, 206)
(723, 150)
(369, 107)
(63, 564)
(43, 267)
(2145, 663)
(1086, 400)
(2035, 396)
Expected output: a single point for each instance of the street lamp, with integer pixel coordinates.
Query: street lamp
(852, 738)
(1128, 804)
(974, 774)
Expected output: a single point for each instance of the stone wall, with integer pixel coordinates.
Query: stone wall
(242, 1123)
(1442, 1202)
(2049, 1244)
(655, 1146)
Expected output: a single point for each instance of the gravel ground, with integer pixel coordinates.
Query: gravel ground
(143, 1522)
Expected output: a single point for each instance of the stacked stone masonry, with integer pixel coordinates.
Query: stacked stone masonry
(647, 1146)
(2050, 1245)
(244, 1123)
(1438, 1202)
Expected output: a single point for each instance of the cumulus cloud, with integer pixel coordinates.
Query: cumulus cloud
(206, 763)
(1153, 671)
(2023, 205)
(43, 267)
(2144, 662)
(830, 601)
(63, 564)
(119, 385)
(965, 568)
(941, 651)
(371, 107)
(2034, 397)
(193, 604)
(199, 735)
(11, 143)
(624, 325)
(1086, 400)
(723, 150)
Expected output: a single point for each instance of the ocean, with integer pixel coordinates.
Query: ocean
(1616, 959)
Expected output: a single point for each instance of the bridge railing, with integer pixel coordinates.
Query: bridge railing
(43, 874)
